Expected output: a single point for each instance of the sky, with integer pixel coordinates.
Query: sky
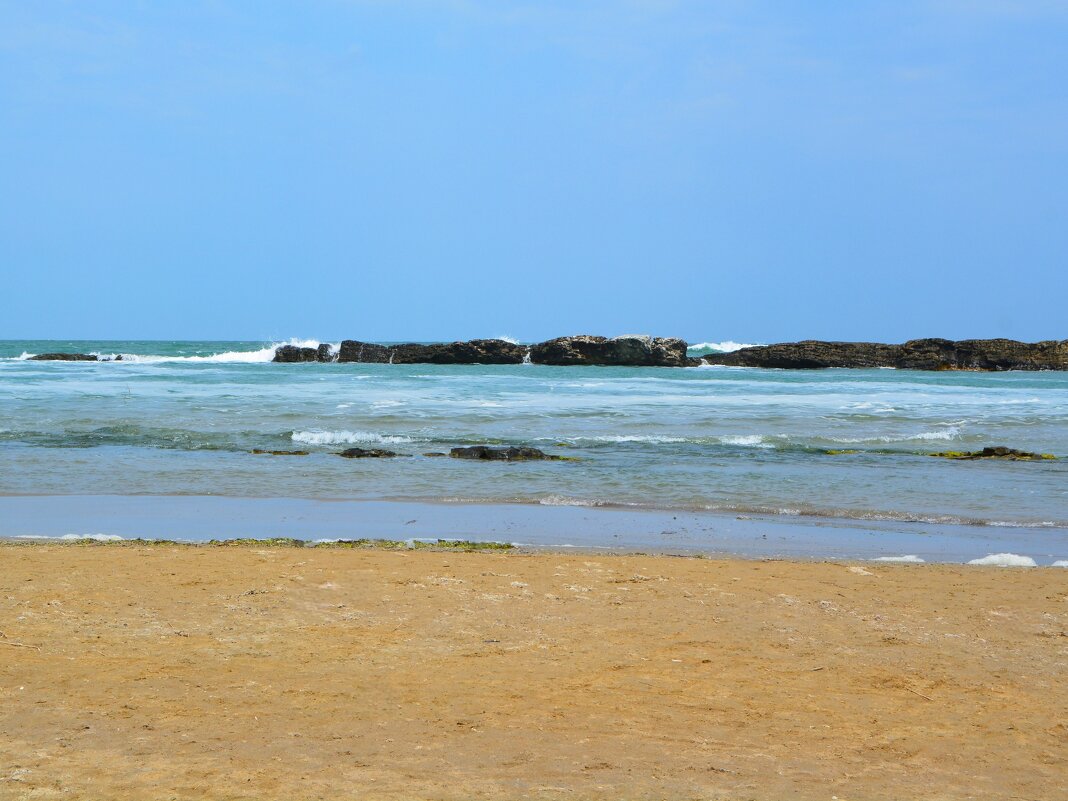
(430, 170)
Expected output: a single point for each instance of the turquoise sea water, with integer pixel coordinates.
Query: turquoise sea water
(180, 418)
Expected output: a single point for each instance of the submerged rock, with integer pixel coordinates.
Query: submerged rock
(366, 453)
(916, 354)
(1010, 454)
(262, 452)
(64, 357)
(624, 351)
(509, 454)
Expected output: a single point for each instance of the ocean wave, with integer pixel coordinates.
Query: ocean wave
(908, 558)
(1004, 560)
(348, 438)
(258, 356)
(952, 432)
(562, 500)
(746, 441)
(618, 438)
(727, 346)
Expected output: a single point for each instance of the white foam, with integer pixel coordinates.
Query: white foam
(509, 340)
(226, 357)
(347, 438)
(727, 346)
(652, 438)
(560, 500)
(1004, 560)
(911, 557)
(746, 441)
(952, 432)
(1060, 563)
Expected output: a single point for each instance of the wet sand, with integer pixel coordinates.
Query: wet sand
(131, 672)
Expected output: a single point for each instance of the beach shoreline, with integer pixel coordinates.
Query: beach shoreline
(607, 529)
(266, 672)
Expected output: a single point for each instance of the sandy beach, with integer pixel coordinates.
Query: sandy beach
(133, 672)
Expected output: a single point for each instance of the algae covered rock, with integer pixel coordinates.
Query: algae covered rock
(510, 454)
(998, 452)
(366, 453)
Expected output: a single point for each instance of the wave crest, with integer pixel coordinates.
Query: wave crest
(347, 438)
(727, 346)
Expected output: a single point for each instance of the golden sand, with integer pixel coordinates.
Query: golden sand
(281, 673)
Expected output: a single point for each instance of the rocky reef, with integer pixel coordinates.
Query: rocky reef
(295, 353)
(512, 453)
(630, 351)
(366, 453)
(476, 351)
(916, 354)
(997, 452)
(645, 351)
(65, 357)
(625, 351)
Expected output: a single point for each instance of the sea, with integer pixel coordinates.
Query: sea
(742, 460)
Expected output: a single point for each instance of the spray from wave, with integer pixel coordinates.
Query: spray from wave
(727, 346)
(258, 356)
(347, 438)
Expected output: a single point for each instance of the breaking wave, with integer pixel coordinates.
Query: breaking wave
(1004, 560)
(952, 432)
(260, 355)
(347, 438)
(727, 346)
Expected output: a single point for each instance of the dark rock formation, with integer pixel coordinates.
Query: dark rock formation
(916, 354)
(983, 354)
(293, 353)
(262, 452)
(1011, 454)
(64, 357)
(366, 453)
(630, 351)
(364, 352)
(477, 351)
(510, 454)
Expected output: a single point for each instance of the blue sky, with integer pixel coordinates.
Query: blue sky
(759, 171)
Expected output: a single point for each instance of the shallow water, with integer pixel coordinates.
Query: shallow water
(182, 418)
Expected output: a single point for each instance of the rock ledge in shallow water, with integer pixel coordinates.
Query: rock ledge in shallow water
(64, 357)
(1010, 454)
(916, 354)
